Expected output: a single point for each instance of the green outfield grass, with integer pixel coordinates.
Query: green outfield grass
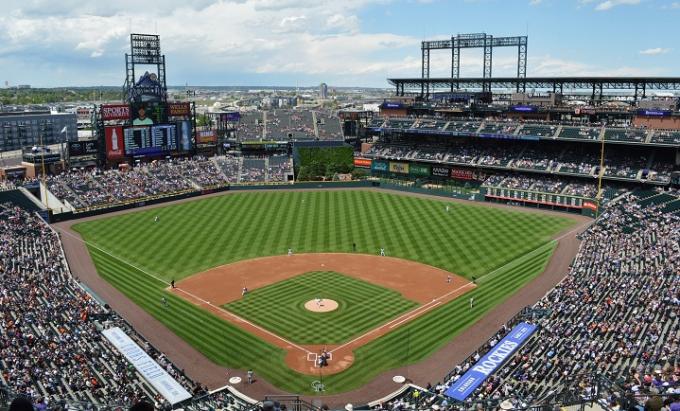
(280, 307)
(504, 249)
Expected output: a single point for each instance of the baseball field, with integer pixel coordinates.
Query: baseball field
(418, 297)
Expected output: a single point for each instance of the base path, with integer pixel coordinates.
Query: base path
(424, 284)
(199, 368)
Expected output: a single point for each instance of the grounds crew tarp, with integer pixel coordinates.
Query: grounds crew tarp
(170, 389)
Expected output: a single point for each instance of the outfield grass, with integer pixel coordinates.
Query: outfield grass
(280, 307)
(198, 235)
(469, 240)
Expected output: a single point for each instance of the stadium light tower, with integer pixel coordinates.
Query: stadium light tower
(474, 40)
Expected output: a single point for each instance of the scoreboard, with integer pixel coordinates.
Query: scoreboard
(154, 140)
(146, 129)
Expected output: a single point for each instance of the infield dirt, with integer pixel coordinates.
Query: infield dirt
(427, 285)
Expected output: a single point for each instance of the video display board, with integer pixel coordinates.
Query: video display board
(82, 148)
(185, 142)
(152, 140)
(148, 128)
(149, 113)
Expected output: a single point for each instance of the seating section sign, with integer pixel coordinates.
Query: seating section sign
(489, 363)
(167, 386)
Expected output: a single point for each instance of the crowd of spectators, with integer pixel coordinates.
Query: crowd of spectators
(528, 156)
(51, 346)
(283, 124)
(101, 188)
(539, 128)
(615, 318)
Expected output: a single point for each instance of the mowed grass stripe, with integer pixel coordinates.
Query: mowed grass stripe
(419, 338)
(280, 307)
(194, 236)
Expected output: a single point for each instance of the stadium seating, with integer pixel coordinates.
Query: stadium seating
(400, 123)
(278, 168)
(666, 137)
(430, 124)
(498, 128)
(634, 135)
(51, 348)
(616, 313)
(540, 130)
(583, 132)
(464, 126)
(93, 189)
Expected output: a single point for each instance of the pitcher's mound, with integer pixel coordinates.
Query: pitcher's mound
(322, 305)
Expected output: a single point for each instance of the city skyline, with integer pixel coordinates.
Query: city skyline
(356, 43)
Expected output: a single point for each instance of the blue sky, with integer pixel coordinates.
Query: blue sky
(340, 42)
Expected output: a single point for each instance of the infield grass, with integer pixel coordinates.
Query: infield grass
(139, 256)
(280, 307)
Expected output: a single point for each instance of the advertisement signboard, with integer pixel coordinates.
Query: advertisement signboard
(206, 137)
(462, 174)
(362, 162)
(401, 168)
(115, 146)
(115, 112)
(230, 117)
(82, 148)
(489, 363)
(421, 170)
(379, 165)
(590, 205)
(179, 109)
(440, 171)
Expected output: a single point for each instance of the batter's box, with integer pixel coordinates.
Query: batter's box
(313, 357)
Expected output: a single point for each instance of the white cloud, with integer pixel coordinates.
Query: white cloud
(654, 51)
(298, 37)
(675, 5)
(535, 2)
(610, 4)
(548, 66)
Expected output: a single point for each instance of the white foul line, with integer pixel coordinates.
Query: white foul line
(186, 292)
(406, 316)
(414, 312)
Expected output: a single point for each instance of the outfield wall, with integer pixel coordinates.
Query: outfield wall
(470, 196)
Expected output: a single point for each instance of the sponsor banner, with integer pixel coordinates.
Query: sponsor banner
(115, 147)
(421, 170)
(389, 104)
(440, 171)
(115, 112)
(362, 162)
(524, 109)
(206, 137)
(179, 109)
(489, 363)
(589, 205)
(401, 168)
(82, 148)
(167, 386)
(654, 113)
(379, 165)
(230, 117)
(463, 174)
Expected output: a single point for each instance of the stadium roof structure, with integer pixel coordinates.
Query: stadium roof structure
(639, 85)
